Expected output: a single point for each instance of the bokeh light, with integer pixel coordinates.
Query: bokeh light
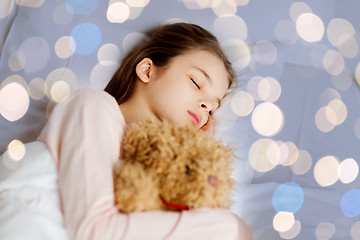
(283, 221)
(310, 27)
(7, 7)
(265, 52)
(132, 39)
(292, 232)
(269, 89)
(303, 163)
(338, 27)
(253, 87)
(16, 61)
(14, 101)
(224, 8)
(288, 197)
(333, 62)
(109, 60)
(242, 103)
(324, 231)
(267, 119)
(197, 4)
(284, 152)
(87, 37)
(264, 154)
(135, 11)
(350, 203)
(15, 78)
(348, 170)
(355, 231)
(33, 4)
(321, 120)
(16, 150)
(357, 128)
(326, 171)
(289, 152)
(229, 27)
(137, 3)
(37, 88)
(336, 112)
(238, 53)
(357, 74)
(242, 2)
(35, 52)
(118, 12)
(59, 91)
(219, 7)
(348, 46)
(328, 95)
(333, 114)
(298, 8)
(65, 46)
(108, 53)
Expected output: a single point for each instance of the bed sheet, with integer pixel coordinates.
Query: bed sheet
(29, 200)
(294, 118)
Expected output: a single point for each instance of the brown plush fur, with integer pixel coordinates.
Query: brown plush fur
(161, 160)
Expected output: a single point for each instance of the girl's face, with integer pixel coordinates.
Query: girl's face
(189, 89)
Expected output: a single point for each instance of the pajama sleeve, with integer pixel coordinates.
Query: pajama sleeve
(83, 135)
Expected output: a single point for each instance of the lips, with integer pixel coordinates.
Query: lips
(195, 117)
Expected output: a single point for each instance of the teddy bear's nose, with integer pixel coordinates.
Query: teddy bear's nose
(213, 180)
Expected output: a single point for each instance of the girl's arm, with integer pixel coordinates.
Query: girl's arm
(84, 136)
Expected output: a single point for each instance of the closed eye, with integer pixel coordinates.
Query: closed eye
(197, 85)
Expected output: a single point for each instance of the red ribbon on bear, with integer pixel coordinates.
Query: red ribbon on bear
(174, 205)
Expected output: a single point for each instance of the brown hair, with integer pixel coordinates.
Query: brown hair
(165, 43)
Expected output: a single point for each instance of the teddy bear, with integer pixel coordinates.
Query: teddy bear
(172, 168)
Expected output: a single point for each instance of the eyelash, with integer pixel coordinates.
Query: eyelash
(197, 85)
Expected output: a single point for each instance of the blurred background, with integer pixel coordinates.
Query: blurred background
(294, 119)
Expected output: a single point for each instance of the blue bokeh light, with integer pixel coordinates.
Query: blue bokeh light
(350, 203)
(81, 7)
(288, 197)
(87, 38)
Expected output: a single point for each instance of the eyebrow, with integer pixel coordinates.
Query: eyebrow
(209, 80)
(204, 73)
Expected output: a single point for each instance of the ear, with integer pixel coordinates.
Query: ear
(144, 69)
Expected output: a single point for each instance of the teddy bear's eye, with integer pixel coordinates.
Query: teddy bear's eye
(188, 171)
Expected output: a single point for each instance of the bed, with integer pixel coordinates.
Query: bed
(294, 118)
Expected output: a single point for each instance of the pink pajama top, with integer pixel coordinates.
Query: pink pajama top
(83, 135)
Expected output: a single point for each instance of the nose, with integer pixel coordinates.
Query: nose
(206, 106)
(213, 181)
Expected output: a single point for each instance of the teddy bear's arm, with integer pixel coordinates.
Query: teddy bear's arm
(135, 189)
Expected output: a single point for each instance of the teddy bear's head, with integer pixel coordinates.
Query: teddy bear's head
(189, 168)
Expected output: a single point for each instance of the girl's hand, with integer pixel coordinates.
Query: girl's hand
(208, 127)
